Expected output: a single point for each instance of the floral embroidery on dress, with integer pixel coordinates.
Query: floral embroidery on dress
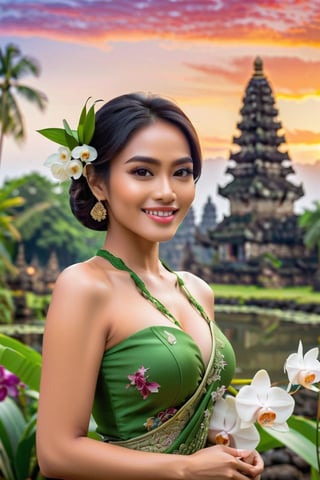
(140, 381)
(154, 422)
(219, 393)
(218, 366)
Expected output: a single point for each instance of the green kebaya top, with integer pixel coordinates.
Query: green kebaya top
(146, 378)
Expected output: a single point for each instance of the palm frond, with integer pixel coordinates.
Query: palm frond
(7, 203)
(25, 66)
(33, 96)
(25, 217)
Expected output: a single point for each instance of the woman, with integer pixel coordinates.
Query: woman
(126, 338)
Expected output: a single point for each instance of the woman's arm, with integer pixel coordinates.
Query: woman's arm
(74, 342)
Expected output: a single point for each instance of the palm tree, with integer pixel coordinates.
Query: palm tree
(8, 231)
(14, 66)
(310, 222)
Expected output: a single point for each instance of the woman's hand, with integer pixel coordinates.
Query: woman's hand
(254, 459)
(224, 463)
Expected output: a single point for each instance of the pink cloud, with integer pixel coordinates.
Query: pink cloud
(265, 21)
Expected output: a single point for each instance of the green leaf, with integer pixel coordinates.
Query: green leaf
(70, 132)
(89, 124)
(307, 427)
(81, 123)
(72, 140)
(12, 202)
(25, 450)
(12, 426)
(267, 442)
(5, 466)
(21, 347)
(71, 135)
(61, 136)
(23, 361)
(57, 135)
(298, 443)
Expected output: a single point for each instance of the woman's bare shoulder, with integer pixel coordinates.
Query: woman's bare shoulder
(82, 291)
(84, 278)
(200, 290)
(193, 282)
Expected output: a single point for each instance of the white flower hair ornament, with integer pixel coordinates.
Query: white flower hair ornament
(75, 153)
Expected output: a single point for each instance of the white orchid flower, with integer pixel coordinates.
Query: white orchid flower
(58, 163)
(303, 370)
(59, 171)
(85, 153)
(262, 403)
(61, 157)
(74, 169)
(225, 426)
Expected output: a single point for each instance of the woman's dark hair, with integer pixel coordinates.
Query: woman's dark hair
(116, 122)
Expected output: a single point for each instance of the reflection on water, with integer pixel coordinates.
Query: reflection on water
(263, 341)
(259, 340)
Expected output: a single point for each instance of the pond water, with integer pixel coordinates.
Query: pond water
(260, 340)
(265, 341)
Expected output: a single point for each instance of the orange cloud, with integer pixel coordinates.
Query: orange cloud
(289, 75)
(303, 136)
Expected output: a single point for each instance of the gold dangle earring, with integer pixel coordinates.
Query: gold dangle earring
(98, 212)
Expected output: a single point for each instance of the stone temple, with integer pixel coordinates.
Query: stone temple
(260, 241)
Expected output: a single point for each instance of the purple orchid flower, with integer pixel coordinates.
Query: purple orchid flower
(8, 384)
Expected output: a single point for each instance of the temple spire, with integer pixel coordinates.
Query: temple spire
(259, 164)
(262, 221)
(258, 67)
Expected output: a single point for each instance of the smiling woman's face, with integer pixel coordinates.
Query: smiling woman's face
(151, 185)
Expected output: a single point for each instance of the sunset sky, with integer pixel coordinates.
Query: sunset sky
(199, 53)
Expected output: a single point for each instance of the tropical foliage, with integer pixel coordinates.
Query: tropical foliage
(18, 417)
(47, 224)
(310, 222)
(17, 431)
(13, 67)
(8, 235)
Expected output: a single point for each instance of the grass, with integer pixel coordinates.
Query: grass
(298, 294)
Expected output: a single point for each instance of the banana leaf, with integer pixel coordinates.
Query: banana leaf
(23, 361)
(5, 466)
(26, 450)
(12, 426)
